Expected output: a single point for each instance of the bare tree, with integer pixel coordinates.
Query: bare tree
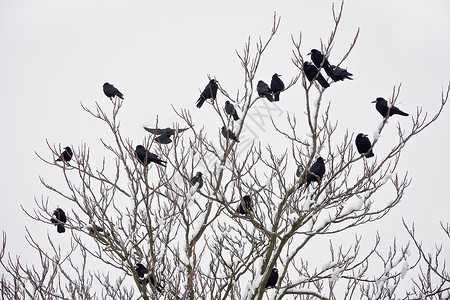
(195, 242)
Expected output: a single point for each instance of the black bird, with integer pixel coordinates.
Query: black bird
(210, 92)
(164, 134)
(264, 90)
(66, 156)
(277, 86)
(363, 145)
(111, 92)
(318, 58)
(59, 218)
(146, 157)
(141, 270)
(340, 74)
(311, 72)
(315, 173)
(93, 229)
(230, 110)
(163, 139)
(382, 107)
(197, 178)
(245, 206)
(273, 279)
(228, 134)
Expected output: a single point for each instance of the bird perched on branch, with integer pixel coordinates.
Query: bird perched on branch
(164, 134)
(141, 270)
(59, 219)
(363, 145)
(264, 90)
(245, 206)
(197, 178)
(320, 60)
(311, 72)
(230, 110)
(340, 74)
(210, 92)
(111, 92)
(315, 173)
(228, 134)
(146, 157)
(66, 155)
(273, 279)
(383, 108)
(277, 86)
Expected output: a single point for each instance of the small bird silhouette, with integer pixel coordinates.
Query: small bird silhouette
(245, 206)
(59, 219)
(111, 92)
(141, 270)
(340, 74)
(228, 134)
(210, 92)
(315, 173)
(164, 134)
(66, 156)
(318, 58)
(383, 108)
(273, 279)
(277, 86)
(197, 178)
(264, 90)
(363, 145)
(230, 110)
(146, 157)
(311, 72)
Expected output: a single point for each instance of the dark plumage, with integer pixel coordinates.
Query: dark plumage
(230, 110)
(228, 134)
(164, 134)
(273, 279)
(66, 156)
(59, 219)
(311, 72)
(264, 90)
(363, 145)
(146, 157)
(277, 86)
(197, 178)
(318, 58)
(111, 92)
(93, 229)
(210, 92)
(245, 206)
(141, 270)
(340, 74)
(315, 173)
(383, 108)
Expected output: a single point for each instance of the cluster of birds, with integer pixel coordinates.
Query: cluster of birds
(272, 94)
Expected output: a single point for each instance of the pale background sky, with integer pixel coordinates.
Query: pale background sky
(54, 54)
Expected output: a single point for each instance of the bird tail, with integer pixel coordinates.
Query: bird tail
(200, 102)
(235, 116)
(370, 154)
(328, 69)
(60, 228)
(270, 97)
(120, 95)
(161, 163)
(402, 113)
(277, 97)
(323, 82)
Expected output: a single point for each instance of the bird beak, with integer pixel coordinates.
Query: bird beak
(374, 101)
(365, 135)
(309, 53)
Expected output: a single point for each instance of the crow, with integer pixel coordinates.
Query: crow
(164, 134)
(311, 72)
(277, 86)
(197, 178)
(59, 219)
(340, 74)
(273, 279)
(146, 157)
(93, 229)
(230, 110)
(318, 58)
(228, 134)
(66, 156)
(383, 109)
(141, 270)
(210, 92)
(363, 145)
(264, 90)
(315, 173)
(111, 92)
(245, 206)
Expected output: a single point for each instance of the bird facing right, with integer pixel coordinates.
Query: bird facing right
(363, 145)
(383, 108)
(315, 173)
(59, 219)
(277, 86)
(245, 206)
(273, 279)
(210, 92)
(197, 179)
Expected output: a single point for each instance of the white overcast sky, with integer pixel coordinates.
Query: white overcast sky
(54, 54)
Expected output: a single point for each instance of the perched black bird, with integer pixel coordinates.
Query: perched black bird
(59, 218)
(66, 156)
(277, 86)
(230, 110)
(311, 72)
(146, 157)
(197, 178)
(264, 90)
(363, 145)
(228, 134)
(245, 206)
(164, 134)
(340, 74)
(318, 58)
(382, 107)
(315, 173)
(141, 270)
(273, 279)
(111, 92)
(210, 92)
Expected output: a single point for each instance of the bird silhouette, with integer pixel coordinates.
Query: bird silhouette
(264, 90)
(146, 157)
(319, 59)
(59, 219)
(245, 206)
(277, 86)
(230, 110)
(315, 173)
(228, 134)
(273, 279)
(363, 145)
(164, 134)
(66, 155)
(340, 74)
(311, 72)
(111, 92)
(383, 108)
(197, 178)
(210, 92)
